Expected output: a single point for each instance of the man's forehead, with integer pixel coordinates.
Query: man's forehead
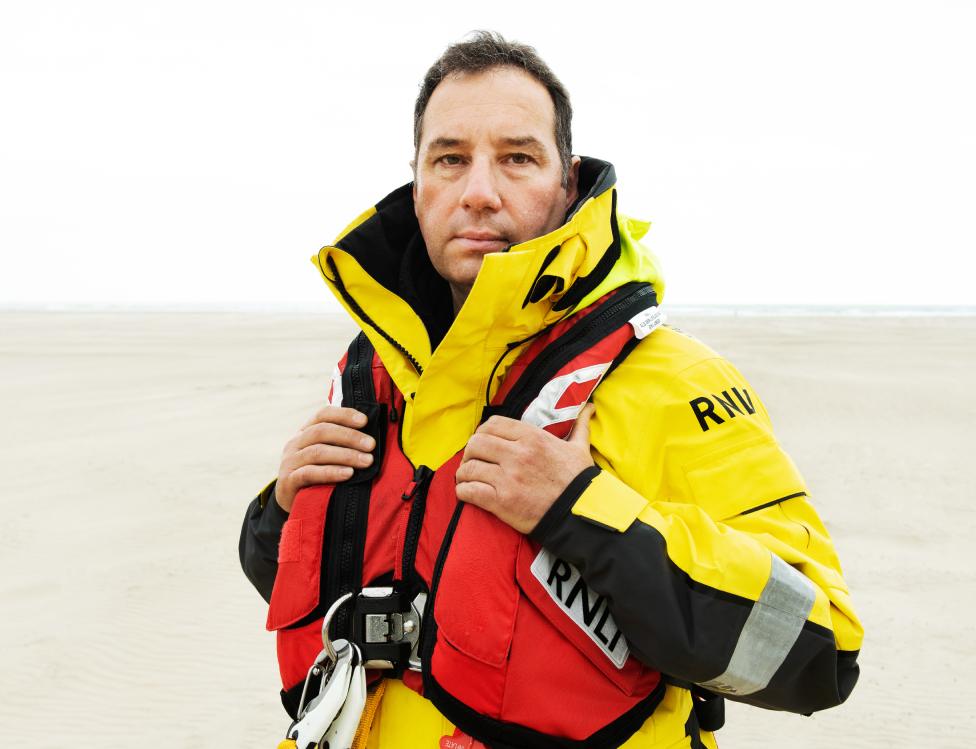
(507, 104)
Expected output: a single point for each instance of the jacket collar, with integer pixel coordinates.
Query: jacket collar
(379, 270)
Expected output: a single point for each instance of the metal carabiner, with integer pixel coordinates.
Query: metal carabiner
(319, 667)
(326, 621)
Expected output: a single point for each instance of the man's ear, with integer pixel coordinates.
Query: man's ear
(572, 181)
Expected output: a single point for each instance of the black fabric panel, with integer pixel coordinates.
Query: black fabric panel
(290, 699)
(595, 177)
(378, 242)
(828, 677)
(687, 629)
(564, 502)
(427, 293)
(693, 732)
(258, 544)
(709, 709)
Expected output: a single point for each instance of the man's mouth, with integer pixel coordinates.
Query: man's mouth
(482, 241)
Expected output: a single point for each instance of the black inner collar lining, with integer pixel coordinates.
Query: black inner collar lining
(389, 247)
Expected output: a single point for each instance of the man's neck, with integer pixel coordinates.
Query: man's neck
(458, 295)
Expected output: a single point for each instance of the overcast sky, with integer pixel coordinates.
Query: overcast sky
(199, 152)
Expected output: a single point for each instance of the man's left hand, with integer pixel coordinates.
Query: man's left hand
(516, 471)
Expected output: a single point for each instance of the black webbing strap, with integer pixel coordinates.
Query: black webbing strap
(345, 521)
(594, 325)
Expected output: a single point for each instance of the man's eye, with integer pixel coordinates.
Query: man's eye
(520, 158)
(450, 160)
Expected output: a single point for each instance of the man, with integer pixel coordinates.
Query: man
(589, 509)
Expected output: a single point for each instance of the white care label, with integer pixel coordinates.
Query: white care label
(589, 611)
(646, 321)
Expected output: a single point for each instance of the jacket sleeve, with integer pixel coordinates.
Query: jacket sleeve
(700, 534)
(258, 545)
(264, 519)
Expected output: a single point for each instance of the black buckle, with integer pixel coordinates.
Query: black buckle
(386, 627)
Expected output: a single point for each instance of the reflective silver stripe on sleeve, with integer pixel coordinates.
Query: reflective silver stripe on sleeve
(769, 632)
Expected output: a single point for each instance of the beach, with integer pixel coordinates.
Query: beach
(133, 441)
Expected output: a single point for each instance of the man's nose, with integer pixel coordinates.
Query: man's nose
(481, 188)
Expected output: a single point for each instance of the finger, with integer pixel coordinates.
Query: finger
(349, 417)
(334, 434)
(487, 447)
(478, 470)
(311, 475)
(580, 433)
(476, 493)
(325, 455)
(504, 427)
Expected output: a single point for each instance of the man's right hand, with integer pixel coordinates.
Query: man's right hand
(325, 451)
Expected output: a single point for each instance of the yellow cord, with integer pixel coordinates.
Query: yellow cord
(373, 698)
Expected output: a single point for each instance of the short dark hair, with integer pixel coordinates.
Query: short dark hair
(489, 49)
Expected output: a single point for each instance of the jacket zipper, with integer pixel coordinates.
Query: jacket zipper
(344, 293)
(416, 494)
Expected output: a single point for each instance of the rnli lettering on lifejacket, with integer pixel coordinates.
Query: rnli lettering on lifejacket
(589, 611)
(705, 408)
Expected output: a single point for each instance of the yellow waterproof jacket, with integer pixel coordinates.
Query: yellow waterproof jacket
(698, 530)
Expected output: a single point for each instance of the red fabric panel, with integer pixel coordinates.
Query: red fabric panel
(577, 393)
(297, 650)
(290, 545)
(476, 595)
(296, 588)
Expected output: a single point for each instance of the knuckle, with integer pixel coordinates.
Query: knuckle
(325, 413)
(297, 478)
(331, 434)
(523, 456)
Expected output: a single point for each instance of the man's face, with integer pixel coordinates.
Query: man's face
(487, 173)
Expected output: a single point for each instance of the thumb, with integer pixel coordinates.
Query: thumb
(580, 434)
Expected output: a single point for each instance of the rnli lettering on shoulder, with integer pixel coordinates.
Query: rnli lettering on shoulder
(589, 611)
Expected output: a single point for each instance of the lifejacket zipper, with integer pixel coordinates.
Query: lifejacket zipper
(351, 499)
(540, 364)
(427, 633)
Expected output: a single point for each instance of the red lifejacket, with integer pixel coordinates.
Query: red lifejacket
(515, 648)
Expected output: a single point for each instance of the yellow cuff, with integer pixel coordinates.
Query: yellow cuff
(609, 502)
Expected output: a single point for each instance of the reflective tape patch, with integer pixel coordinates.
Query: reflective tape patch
(646, 321)
(589, 611)
(335, 392)
(542, 411)
(769, 632)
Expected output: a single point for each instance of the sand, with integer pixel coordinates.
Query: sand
(133, 441)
